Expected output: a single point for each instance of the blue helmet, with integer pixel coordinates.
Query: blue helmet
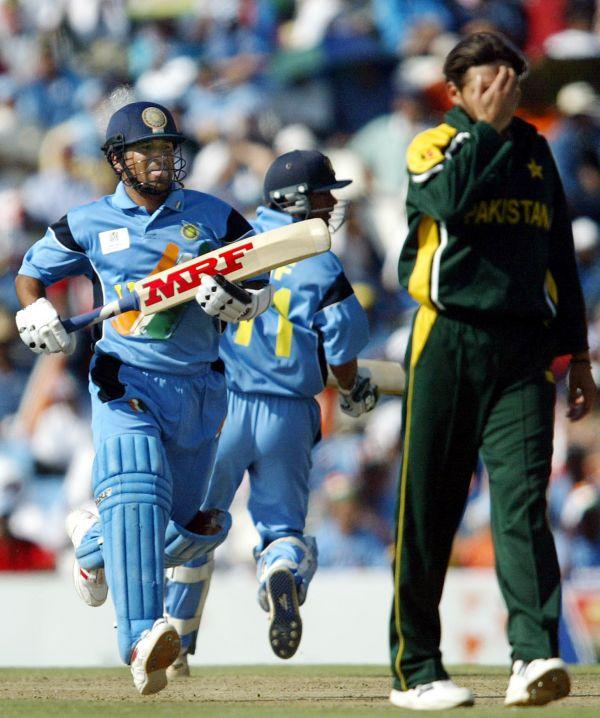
(138, 122)
(300, 171)
(294, 177)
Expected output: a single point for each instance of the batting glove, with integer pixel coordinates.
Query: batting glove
(230, 302)
(361, 398)
(42, 331)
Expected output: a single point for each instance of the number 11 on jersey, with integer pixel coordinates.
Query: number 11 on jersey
(285, 328)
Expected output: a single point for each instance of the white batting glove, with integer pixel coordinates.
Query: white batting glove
(41, 329)
(360, 398)
(230, 302)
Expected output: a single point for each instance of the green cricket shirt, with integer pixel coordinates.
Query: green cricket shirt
(489, 234)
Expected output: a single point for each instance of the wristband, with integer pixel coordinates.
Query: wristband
(581, 361)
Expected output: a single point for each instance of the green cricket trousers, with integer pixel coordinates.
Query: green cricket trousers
(474, 389)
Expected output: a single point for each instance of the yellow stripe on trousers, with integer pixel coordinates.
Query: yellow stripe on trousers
(419, 284)
(424, 322)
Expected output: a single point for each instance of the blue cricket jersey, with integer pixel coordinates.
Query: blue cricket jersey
(315, 320)
(115, 242)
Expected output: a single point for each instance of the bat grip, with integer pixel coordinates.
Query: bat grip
(99, 314)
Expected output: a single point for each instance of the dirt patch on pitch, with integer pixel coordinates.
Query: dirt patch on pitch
(205, 688)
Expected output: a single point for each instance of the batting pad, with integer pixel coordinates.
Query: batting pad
(133, 495)
(183, 545)
(186, 589)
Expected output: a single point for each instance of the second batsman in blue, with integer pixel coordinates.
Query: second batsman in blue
(275, 364)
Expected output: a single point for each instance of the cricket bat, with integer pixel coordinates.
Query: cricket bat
(388, 375)
(244, 259)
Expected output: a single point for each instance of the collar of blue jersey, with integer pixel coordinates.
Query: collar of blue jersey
(267, 218)
(122, 200)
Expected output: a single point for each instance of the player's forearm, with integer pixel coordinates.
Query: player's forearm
(28, 289)
(345, 374)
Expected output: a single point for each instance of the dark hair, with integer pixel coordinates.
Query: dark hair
(580, 11)
(482, 48)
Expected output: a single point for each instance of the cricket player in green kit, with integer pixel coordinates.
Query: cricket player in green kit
(489, 257)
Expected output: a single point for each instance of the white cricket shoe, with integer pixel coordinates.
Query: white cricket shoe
(152, 655)
(537, 683)
(179, 668)
(434, 696)
(90, 585)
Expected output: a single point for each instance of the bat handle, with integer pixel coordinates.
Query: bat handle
(99, 314)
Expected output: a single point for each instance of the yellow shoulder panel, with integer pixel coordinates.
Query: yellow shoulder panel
(427, 148)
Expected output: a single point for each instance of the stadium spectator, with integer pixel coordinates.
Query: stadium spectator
(578, 39)
(55, 189)
(586, 235)
(408, 28)
(17, 554)
(574, 507)
(544, 18)
(580, 519)
(52, 96)
(505, 16)
(576, 148)
(348, 536)
(379, 144)
(13, 377)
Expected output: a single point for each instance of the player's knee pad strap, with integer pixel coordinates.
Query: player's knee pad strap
(298, 555)
(89, 552)
(191, 574)
(186, 591)
(183, 545)
(133, 494)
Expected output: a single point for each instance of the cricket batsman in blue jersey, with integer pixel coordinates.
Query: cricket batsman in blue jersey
(157, 389)
(275, 364)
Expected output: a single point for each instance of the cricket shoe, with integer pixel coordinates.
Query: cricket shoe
(179, 668)
(157, 648)
(285, 624)
(90, 585)
(537, 683)
(434, 696)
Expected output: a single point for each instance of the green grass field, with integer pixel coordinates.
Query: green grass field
(283, 690)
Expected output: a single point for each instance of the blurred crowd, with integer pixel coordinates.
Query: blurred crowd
(248, 80)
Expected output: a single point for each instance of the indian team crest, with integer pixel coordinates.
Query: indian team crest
(154, 118)
(190, 231)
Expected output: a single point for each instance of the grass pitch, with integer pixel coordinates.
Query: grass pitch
(289, 690)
